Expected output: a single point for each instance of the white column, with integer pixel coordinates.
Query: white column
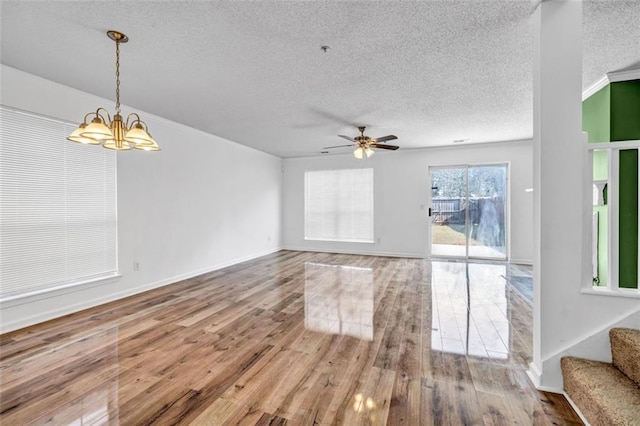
(558, 175)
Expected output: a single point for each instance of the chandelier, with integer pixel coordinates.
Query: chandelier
(115, 133)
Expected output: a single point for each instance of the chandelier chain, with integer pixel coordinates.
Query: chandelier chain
(117, 76)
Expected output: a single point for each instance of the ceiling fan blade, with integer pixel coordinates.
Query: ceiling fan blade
(386, 138)
(384, 146)
(337, 146)
(349, 138)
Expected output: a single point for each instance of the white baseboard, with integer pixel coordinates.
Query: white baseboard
(360, 253)
(550, 389)
(534, 374)
(521, 261)
(56, 312)
(576, 409)
(382, 253)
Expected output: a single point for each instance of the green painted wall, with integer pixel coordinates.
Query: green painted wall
(628, 202)
(625, 125)
(600, 165)
(596, 118)
(625, 110)
(612, 115)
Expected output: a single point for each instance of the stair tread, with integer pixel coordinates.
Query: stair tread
(604, 395)
(625, 351)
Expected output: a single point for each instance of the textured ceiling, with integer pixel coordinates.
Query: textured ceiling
(253, 71)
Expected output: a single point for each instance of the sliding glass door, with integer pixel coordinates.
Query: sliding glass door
(468, 211)
(449, 211)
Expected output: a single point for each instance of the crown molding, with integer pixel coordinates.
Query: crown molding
(614, 77)
(595, 87)
(610, 77)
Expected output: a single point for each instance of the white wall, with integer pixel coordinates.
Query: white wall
(595, 346)
(563, 316)
(401, 197)
(200, 204)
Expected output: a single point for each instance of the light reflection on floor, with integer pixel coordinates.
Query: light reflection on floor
(339, 300)
(91, 397)
(453, 250)
(470, 311)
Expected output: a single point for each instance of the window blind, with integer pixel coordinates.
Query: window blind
(58, 206)
(338, 205)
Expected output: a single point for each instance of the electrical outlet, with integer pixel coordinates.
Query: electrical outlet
(136, 265)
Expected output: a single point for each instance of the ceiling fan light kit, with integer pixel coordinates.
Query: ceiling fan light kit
(363, 149)
(114, 133)
(365, 143)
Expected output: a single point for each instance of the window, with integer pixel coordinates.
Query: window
(58, 209)
(338, 205)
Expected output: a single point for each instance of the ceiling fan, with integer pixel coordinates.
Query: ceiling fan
(364, 144)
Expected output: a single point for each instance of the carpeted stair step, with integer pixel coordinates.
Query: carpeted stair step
(604, 395)
(625, 351)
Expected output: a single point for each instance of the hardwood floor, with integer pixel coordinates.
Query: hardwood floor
(290, 338)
